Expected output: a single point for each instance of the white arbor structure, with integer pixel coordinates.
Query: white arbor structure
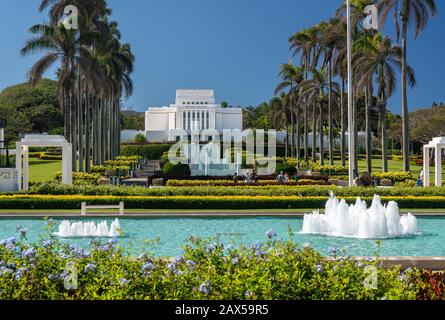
(437, 144)
(22, 156)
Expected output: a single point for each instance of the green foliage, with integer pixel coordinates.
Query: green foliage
(30, 109)
(176, 170)
(394, 176)
(132, 120)
(406, 184)
(23, 201)
(251, 191)
(80, 178)
(208, 269)
(286, 167)
(149, 151)
(140, 139)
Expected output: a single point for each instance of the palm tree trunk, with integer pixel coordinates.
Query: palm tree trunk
(343, 124)
(118, 125)
(87, 133)
(384, 137)
(292, 125)
(94, 130)
(66, 114)
(73, 116)
(368, 95)
(354, 134)
(80, 120)
(405, 115)
(314, 132)
(306, 132)
(297, 124)
(321, 135)
(330, 120)
(103, 131)
(286, 150)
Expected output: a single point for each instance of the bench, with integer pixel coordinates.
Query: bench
(84, 208)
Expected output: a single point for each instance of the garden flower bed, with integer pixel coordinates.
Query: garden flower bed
(208, 269)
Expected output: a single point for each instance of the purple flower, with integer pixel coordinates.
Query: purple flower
(178, 260)
(402, 277)
(123, 282)
(90, 268)
(191, 264)
(171, 266)
(205, 287)
(19, 274)
(234, 261)
(53, 277)
(271, 234)
(48, 243)
(319, 268)
(29, 253)
(148, 266)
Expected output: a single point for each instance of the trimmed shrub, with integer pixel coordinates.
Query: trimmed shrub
(148, 151)
(140, 139)
(23, 201)
(80, 178)
(393, 176)
(286, 167)
(176, 170)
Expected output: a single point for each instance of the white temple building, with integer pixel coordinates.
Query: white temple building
(192, 110)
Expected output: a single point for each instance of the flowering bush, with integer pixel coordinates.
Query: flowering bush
(207, 270)
(80, 178)
(394, 176)
(197, 183)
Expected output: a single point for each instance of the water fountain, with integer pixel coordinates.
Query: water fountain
(357, 221)
(89, 229)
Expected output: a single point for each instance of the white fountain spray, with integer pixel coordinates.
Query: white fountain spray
(357, 221)
(89, 229)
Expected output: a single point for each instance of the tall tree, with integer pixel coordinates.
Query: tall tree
(417, 14)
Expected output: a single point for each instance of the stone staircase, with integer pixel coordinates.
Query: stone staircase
(147, 168)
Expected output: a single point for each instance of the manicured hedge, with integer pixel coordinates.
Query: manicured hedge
(148, 151)
(199, 202)
(303, 191)
(203, 183)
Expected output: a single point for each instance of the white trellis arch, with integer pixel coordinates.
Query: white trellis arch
(437, 144)
(40, 140)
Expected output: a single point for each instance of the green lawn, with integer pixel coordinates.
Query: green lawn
(43, 170)
(393, 166)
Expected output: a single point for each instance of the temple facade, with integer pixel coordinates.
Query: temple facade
(192, 110)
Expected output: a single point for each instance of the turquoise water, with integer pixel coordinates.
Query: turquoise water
(174, 232)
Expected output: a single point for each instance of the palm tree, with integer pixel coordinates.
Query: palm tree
(306, 44)
(94, 74)
(279, 116)
(407, 12)
(314, 90)
(380, 62)
(292, 77)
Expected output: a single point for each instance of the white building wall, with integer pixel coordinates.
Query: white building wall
(157, 120)
(232, 119)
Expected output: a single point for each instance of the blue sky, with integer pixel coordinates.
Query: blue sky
(232, 46)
